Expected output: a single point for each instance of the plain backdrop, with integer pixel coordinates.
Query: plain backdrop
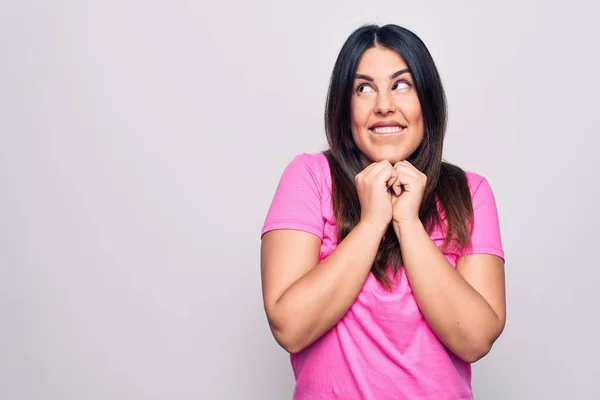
(141, 143)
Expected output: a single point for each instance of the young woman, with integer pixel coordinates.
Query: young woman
(382, 265)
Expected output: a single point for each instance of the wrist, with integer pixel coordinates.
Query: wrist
(375, 228)
(407, 226)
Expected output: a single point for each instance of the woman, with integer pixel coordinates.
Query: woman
(382, 265)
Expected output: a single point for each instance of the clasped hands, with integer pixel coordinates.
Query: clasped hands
(390, 193)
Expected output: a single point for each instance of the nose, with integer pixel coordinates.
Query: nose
(385, 104)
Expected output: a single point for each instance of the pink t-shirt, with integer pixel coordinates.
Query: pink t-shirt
(382, 348)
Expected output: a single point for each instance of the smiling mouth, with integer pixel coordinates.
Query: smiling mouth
(387, 130)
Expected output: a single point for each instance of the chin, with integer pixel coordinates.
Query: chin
(392, 157)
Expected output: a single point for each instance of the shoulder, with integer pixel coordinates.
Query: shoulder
(474, 180)
(479, 186)
(314, 161)
(298, 200)
(314, 165)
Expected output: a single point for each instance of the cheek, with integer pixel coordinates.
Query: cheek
(414, 114)
(360, 114)
(417, 108)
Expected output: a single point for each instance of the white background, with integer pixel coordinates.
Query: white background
(141, 143)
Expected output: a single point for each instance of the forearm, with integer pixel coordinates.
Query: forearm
(318, 300)
(460, 317)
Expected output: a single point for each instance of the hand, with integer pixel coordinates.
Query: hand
(372, 185)
(405, 207)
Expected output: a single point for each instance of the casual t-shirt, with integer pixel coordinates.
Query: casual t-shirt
(382, 348)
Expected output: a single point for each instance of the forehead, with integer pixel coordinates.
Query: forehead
(380, 62)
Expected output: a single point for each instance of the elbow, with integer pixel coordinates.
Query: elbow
(288, 336)
(478, 346)
(288, 340)
(474, 352)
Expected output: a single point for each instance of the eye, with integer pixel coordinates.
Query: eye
(364, 88)
(401, 85)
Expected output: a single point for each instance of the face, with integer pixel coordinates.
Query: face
(387, 123)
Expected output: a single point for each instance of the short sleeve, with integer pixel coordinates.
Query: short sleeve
(297, 200)
(485, 237)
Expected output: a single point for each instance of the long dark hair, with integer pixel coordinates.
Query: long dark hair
(447, 200)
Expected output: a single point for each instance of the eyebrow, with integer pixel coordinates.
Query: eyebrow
(392, 76)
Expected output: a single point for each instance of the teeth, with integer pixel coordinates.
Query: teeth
(388, 129)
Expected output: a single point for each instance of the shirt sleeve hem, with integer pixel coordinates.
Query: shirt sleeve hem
(293, 226)
(482, 249)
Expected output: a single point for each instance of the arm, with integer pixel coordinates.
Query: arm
(304, 298)
(465, 307)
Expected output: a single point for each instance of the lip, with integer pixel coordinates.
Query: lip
(384, 124)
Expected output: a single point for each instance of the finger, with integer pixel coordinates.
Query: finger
(377, 172)
(379, 166)
(397, 187)
(406, 162)
(408, 165)
(393, 184)
(411, 178)
(407, 171)
(370, 166)
(365, 171)
(386, 174)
